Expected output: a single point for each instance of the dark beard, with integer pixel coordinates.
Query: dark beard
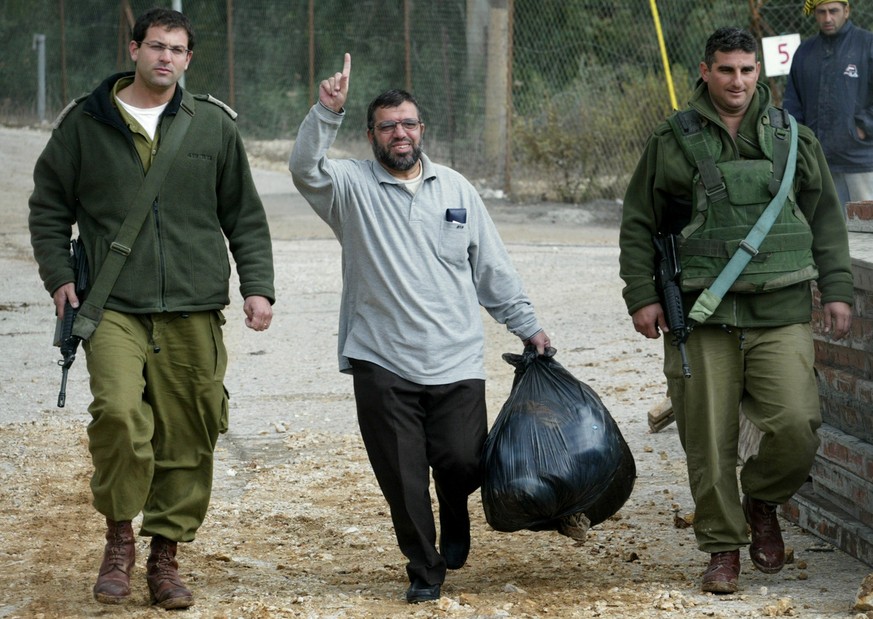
(400, 164)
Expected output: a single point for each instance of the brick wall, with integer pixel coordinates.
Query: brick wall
(837, 504)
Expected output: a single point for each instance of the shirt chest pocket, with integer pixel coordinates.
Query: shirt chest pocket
(453, 242)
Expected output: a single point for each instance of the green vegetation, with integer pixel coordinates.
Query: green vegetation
(587, 87)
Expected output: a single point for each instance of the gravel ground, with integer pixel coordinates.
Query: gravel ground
(297, 526)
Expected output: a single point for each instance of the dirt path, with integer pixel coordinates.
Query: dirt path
(297, 526)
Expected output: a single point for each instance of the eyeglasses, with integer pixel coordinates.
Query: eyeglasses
(159, 48)
(408, 124)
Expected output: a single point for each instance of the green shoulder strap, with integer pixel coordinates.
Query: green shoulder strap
(91, 311)
(687, 125)
(710, 298)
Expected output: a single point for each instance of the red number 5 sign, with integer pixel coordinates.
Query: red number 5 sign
(778, 52)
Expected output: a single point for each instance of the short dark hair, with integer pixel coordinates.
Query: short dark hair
(729, 39)
(166, 18)
(390, 98)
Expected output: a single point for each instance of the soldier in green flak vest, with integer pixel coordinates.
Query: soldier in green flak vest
(745, 192)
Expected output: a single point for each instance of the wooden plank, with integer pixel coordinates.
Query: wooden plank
(661, 415)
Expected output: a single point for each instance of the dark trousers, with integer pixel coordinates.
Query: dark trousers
(409, 429)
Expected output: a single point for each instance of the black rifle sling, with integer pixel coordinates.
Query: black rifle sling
(91, 310)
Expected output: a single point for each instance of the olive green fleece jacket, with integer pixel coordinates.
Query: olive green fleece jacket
(89, 173)
(660, 194)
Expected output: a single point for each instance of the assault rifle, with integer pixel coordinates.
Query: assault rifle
(667, 276)
(64, 337)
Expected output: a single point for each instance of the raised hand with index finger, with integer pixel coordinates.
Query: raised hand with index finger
(333, 91)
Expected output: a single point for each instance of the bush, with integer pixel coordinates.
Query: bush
(585, 142)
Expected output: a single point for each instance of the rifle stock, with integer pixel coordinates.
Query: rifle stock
(667, 276)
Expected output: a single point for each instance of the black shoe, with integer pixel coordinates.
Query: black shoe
(420, 591)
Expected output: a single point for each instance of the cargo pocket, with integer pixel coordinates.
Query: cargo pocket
(217, 321)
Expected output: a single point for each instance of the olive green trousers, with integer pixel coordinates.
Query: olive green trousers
(159, 404)
(768, 374)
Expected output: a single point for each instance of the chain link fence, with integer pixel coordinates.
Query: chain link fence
(548, 99)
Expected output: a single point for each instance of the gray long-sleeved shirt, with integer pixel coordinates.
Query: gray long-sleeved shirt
(413, 280)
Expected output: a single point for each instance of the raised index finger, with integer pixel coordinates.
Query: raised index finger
(347, 68)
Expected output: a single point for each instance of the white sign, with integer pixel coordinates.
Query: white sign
(778, 52)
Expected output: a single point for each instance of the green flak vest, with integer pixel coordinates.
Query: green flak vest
(729, 197)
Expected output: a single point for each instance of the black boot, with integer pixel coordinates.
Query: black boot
(119, 556)
(166, 588)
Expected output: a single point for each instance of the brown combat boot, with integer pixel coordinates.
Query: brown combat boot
(767, 550)
(119, 556)
(723, 572)
(162, 573)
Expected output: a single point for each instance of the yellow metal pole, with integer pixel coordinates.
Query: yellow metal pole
(668, 76)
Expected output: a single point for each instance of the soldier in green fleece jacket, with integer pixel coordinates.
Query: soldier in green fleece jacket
(756, 350)
(420, 255)
(156, 359)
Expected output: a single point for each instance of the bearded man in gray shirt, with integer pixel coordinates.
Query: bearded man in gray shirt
(420, 254)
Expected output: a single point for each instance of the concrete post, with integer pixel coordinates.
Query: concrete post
(39, 46)
(496, 82)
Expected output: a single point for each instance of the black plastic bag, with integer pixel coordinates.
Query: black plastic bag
(554, 458)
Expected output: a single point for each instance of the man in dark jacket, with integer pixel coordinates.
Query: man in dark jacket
(156, 358)
(755, 351)
(830, 90)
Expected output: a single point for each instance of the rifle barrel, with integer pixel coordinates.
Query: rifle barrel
(62, 394)
(686, 367)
